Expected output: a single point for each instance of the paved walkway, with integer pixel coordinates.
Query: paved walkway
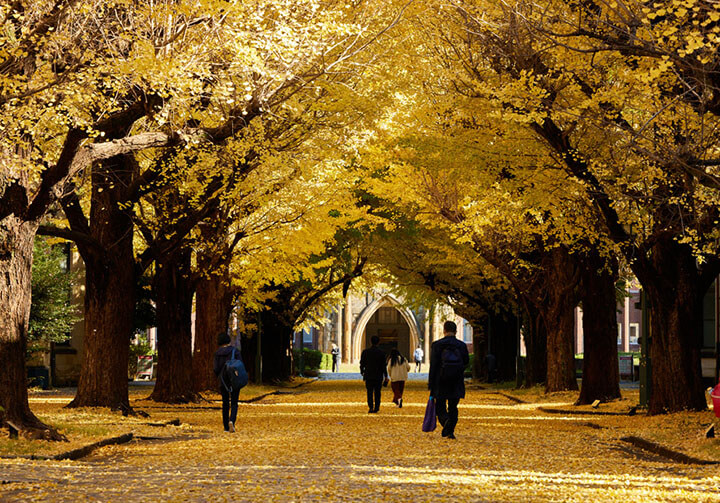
(357, 376)
(422, 376)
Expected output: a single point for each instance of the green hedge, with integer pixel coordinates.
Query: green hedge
(312, 359)
(326, 363)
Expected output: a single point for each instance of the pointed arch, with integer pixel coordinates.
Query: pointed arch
(358, 334)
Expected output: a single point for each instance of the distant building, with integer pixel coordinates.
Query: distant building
(354, 322)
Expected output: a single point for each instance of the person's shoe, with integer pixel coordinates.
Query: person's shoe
(377, 410)
(400, 403)
(231, 427)
(371, 411)
(451, 437)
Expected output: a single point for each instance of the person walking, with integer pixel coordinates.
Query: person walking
(397, 368)
(372, 368)
(229, 395)
(335, 352)
(419, 353)
(448, 359)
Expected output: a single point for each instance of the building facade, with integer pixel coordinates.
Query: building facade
(361, 316)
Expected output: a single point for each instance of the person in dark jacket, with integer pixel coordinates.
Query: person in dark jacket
(229, 397)
(448, 359)
(372, 368)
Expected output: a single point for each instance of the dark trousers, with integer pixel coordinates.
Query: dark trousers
(447, 413)
(418, 364)
(373, 388)
(335, 363)
(398, 387)
(229, 405)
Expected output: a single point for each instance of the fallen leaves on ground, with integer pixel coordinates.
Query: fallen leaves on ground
(319, 443)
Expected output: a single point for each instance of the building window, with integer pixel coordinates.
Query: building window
(634, 333)
(620, 332)
(467, 332)
(387, 315)
(307, 336)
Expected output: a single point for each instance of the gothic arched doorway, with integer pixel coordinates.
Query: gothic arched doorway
(393, 323)
(394, 332)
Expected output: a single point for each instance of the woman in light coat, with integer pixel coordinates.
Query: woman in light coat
(398, 368)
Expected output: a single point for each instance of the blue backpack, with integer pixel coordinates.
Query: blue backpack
(234, 376)
(452, 368)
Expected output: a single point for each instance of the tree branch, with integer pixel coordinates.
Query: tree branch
(70, 235)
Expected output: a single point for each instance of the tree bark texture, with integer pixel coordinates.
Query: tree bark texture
(213, 304)
(601, 374)
(535, 337)
(110, 279)
(559, 305)
(16, 248)
(174, 295)
(674, 295)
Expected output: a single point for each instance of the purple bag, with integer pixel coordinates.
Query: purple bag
(430, 421)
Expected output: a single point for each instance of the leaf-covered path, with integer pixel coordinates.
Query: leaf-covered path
(320, 444)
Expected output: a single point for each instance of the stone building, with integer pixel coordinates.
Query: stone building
(355, 321)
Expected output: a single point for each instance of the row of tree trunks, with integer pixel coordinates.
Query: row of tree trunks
(174, 300)
(601, 376)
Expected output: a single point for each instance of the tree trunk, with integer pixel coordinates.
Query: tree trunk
(248, 346)
(276, 338)
(16, 248)
(559, 305)
(674, 293)
(503, 345)
(174, 295)
(213, 304)
(110, 279)
(480, 349)
(601, 375)
(276, 348)
(535, 337)
(560, 351)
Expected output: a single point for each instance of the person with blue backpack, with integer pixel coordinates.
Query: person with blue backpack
(232, 376)
(448, 359)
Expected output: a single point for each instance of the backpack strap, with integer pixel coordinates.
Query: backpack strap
(222, 374)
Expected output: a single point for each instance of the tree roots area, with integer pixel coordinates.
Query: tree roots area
(318, 443)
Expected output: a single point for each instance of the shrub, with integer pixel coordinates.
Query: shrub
(52, 316)
(326, 363)
(312, 359)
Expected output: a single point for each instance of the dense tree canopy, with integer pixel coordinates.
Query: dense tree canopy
(506, 157)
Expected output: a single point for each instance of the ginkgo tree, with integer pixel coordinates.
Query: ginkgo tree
(456, 159)
(49, 53)
(635, 128)
(265, 54)
(85, 81)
